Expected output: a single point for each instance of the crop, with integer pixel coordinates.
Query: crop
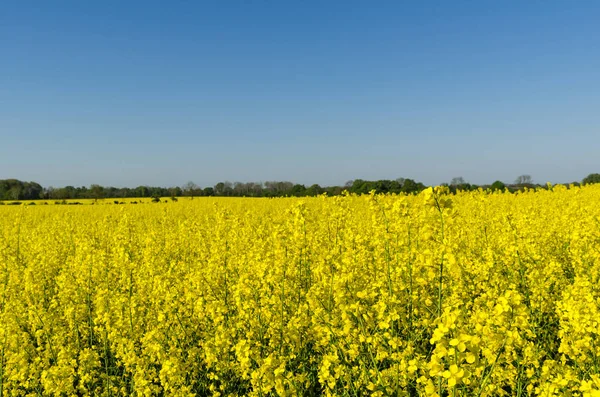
(473, 294)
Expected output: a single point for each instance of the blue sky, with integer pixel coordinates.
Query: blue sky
(126, 93)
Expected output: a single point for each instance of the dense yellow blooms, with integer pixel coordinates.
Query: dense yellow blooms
(474, 294)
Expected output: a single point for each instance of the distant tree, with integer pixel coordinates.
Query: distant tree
(524, 180)
(498, 185)
(591, 178)
(96, 191)
(360, 186)
(227, 189)
(156, 191)
(457, 181)
(46, 194)
(32, 191)
(314, 190)
(219, 189)
(142, 191)
(175, 191)
(255, 189)
(410, 186)
(395, 186)
(383, 186)
(278, 188)
(110, 191)
(334, 190)
(15, 193)
(69, 192)
(208, 191)
(298, 190)
(191, 189)
(240, 189)
(252, 189)
(14, 189)
(83, 192)
(120, 192)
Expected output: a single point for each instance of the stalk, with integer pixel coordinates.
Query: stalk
(2, 366)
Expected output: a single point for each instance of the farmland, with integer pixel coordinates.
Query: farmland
(468, 294)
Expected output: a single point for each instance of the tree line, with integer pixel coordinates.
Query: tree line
(13, 189)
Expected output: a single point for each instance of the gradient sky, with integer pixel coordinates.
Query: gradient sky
(126, 93)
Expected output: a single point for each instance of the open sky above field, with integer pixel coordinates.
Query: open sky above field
(127, 93)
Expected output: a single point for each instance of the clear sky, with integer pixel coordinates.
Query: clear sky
(126, 93)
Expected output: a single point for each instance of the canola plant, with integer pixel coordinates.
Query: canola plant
(473, 294)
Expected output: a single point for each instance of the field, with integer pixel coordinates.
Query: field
(474, 294)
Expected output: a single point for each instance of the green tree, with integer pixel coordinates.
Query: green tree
(410, 186)
(96, 191)
(314, 190)
(298, 190)
(175, 191)
(591, 178)
(15, 193)
(219, 189)
(141, 191)
(498, 185)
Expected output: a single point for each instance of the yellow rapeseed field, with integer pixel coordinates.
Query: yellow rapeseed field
(474, 294)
